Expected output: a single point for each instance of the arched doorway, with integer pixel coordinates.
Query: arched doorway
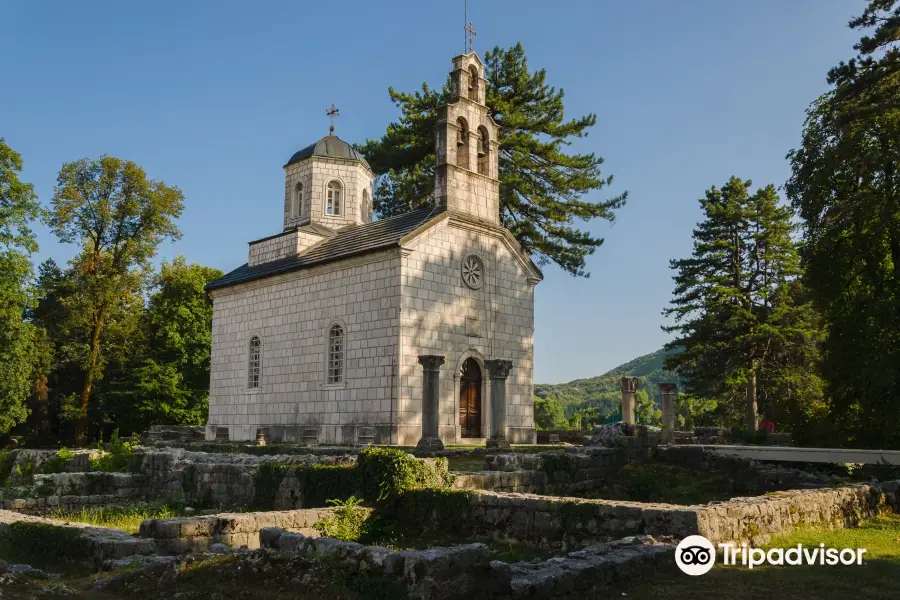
(470, 399)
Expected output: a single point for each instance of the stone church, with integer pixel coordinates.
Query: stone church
(317, 337)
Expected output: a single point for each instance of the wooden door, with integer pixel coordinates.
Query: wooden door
(470, 399)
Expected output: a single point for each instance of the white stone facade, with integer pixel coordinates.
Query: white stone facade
(393, 302)
(292, 314)
(441, 315)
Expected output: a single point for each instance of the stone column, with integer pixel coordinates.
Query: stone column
(668, 391)
(499, 371)
(431, 402)
(629, 387)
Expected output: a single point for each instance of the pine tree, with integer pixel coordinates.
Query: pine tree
(541, 185)
(870, 82)
(730, 319)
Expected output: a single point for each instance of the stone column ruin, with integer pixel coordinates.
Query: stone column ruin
(668, 391)
(431, 402)
(498, 370)
(629, 387)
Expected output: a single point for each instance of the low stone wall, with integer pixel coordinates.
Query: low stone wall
(569, 472)
(524, 482)
(745, 475)
(467, 571)
(208, 479)
(72, 491)
(757, 519)
(553, 521)
(557, 436)
(198, 534)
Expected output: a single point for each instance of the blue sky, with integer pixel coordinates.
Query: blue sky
(215, 96)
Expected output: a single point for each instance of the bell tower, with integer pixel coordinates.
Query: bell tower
(466, 160)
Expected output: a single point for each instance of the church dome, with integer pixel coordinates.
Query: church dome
(330, 146)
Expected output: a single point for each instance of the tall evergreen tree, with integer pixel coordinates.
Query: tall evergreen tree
(118, 217)
(730, 317)
(541, 185)
(18, 208)
(845, 184)
(870, 82)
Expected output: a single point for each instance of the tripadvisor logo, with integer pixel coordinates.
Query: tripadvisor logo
(695, 555)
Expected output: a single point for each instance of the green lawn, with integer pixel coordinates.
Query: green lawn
(126, 518)
(878, 577)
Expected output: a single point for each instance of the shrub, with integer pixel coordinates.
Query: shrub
(117, 456)
(386, 473)
(59, 462)
(348, 521)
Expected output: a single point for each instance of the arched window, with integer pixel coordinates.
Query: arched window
(334, 198)
(366, 206)
(297, 201)
(462, 144)
(484, 151)
(254, 363)
(473, 83)
(336, 354)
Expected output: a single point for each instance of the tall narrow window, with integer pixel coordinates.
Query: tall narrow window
(254, 363)
(333, 199)
(366, 206)
(336, 354)
(473, 83)
(298, 201)
(484, 152)
(462, 144)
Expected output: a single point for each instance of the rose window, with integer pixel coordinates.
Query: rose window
(473, 271)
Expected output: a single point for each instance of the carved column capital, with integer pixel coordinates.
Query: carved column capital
(629, 384)
(431, 362)
(498, 368)
(667, 388)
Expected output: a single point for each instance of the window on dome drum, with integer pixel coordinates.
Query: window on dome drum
(366, 207)
(484, 151)
(333, 199)
(254, 363)
(336, 354)
(462, 144)
(297, 201)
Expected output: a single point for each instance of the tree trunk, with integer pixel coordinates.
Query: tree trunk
(752, 411)
(81, 430)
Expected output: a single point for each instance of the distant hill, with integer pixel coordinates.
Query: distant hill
(604, 392)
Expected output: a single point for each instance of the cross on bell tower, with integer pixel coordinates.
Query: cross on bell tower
(467, 26)
(332, 112)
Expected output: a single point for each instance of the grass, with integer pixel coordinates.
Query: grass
(127, 518)
(876, 578)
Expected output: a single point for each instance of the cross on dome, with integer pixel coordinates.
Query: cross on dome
(332, 112)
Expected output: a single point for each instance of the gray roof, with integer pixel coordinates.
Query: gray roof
(348, 242)
(329, 146)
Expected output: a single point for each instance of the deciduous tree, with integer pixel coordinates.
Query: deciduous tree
(18, 208)
(118, 217)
